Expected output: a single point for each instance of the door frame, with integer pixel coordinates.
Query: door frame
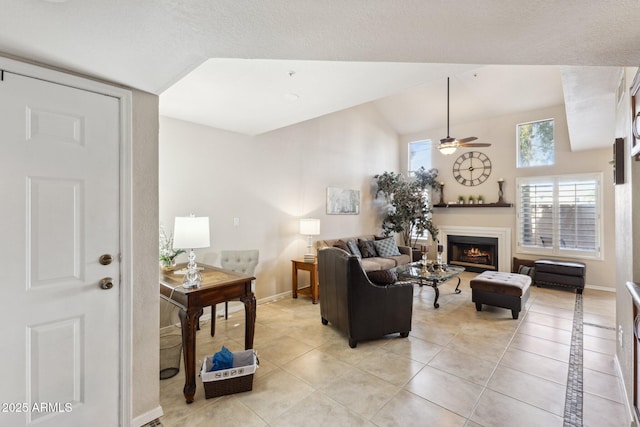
(124, 97)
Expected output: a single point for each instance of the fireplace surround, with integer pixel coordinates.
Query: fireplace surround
(502, 234)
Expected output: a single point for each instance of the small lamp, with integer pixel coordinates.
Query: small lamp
(191, 232)
(309, 227)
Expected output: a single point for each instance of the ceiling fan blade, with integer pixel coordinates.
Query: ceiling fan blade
(468, 139)
(475, 144)
(447, 140)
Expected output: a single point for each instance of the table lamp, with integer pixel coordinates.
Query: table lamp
(309, 227)
(191, 232)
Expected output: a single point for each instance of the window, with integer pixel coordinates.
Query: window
(560, 215)
(419, 155)
(535, 143)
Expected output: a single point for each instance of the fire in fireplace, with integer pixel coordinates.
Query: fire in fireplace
(474, 253)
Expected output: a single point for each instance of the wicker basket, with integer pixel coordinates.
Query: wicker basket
(228, 381)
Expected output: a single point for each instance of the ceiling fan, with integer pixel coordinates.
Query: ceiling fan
(449, 144)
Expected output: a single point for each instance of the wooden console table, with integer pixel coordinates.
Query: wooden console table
(312, 268)
(217, 286)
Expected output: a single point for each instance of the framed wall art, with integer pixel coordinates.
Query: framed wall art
(342, 201)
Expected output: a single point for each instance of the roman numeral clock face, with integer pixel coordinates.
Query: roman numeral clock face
(472, 168)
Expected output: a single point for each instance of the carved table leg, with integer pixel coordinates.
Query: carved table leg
(188, 320)
(458, 290)
(250, 319)
(437, 291)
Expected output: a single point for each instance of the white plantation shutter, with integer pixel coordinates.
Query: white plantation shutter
(560, 215)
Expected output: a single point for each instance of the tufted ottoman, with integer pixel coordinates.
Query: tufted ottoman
(506, 290)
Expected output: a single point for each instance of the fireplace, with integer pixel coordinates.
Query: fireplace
(472, 252)
(502, 255)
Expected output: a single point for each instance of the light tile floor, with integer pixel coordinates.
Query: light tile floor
(458, 367)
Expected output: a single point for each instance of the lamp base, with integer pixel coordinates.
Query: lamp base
(310, 258)
(193, 277)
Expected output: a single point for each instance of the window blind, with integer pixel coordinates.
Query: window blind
(560, 215)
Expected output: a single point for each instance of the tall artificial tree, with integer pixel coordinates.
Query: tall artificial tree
(409, 207)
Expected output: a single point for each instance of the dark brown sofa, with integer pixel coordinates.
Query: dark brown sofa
(357, 307)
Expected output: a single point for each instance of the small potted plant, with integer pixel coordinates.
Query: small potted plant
(480, 199)
(167, 253)
(471, 200)
(461, 200)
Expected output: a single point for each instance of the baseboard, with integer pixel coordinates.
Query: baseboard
(147, 417)
(238, 307)
(232, 309)
(631, 421)
(601, 288)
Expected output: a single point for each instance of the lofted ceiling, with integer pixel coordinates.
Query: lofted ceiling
(255, 65)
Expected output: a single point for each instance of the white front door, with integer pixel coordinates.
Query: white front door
(59, 204)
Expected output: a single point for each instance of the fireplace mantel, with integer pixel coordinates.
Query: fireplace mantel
(501, 233)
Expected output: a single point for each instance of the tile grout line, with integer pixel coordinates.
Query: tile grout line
(495, 368)
(573, 399)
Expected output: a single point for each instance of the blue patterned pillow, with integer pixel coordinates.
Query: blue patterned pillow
(353, 247)
(386, 247)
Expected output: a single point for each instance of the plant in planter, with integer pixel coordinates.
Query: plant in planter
(409, 206)
(461, 200)
(480, 199)
(471, 200)
(167, 253)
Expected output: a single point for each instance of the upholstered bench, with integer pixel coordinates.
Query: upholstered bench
(560, 273)
(506, 290)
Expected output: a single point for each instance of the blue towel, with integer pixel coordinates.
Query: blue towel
(222, 359)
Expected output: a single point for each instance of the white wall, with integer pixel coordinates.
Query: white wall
(501, 133)
(627, 242)
(270, 181)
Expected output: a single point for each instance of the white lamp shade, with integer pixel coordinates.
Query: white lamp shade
(310, 227)
(190, 232)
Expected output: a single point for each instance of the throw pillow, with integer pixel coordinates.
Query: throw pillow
(367, 248)
(529, 271)
(386, 247)
(383, 277)
(353, 248)
(342, 245)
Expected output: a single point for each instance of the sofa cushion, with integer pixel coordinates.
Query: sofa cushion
(367, 248)
(386, 247)
(342, 245)
(383, 277)
(353, 248)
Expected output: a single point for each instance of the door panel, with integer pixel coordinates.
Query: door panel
(59, 166)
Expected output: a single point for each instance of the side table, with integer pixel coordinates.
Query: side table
(312, 268)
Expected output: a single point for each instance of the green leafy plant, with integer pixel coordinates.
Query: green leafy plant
(167, 252)
(460, 199)
(409, 207)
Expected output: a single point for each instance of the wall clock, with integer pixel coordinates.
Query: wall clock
(472, 168)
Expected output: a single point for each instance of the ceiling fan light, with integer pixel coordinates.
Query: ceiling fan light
(447, 149)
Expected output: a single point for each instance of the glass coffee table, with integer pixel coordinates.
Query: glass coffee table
(423, 274)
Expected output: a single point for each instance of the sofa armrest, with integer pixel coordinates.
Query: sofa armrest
(405, 250)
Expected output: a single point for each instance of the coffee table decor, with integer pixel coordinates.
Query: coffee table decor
(430, 273)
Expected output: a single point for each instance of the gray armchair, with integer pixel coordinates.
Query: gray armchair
(357, 307)
(244, 261)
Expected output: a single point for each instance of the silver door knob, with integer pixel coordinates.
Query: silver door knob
(106, 283)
